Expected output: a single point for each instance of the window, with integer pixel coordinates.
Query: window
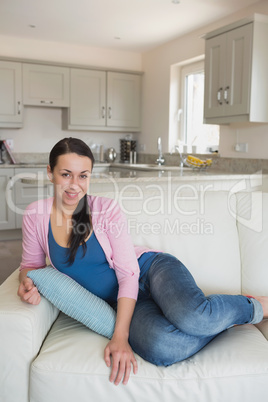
(191, 130)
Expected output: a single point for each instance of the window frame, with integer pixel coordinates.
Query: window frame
(191, 68)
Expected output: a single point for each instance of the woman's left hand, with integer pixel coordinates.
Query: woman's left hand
(122, 359)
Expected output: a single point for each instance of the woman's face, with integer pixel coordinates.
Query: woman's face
(70, 178)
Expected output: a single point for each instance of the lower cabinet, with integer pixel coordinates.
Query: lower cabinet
(15, 196)
(25, 193)
(7, 213)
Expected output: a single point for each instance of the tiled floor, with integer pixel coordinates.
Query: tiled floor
(10, 257)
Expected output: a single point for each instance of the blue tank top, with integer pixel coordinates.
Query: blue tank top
(92, 270)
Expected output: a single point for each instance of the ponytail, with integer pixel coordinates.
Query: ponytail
(81, 228)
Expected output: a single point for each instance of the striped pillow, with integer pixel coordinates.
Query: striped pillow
(74, 300)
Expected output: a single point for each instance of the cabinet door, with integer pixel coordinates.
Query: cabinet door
(10, 94)
(215, 62)
(88, 98)
(25, 193)
(7, 214)
(123, 100)
(238, 73)
(45, 85)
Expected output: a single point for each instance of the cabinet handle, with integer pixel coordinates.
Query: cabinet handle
(103, 112)
(19, 111)
(225, 95)
(219, 93)
(46, 102)
(110, 112)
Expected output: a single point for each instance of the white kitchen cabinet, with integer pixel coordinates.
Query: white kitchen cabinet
(45, 85)
(236, 63)
(123, 100)
(7, 213)
(105, 101)
(25, 193)
(88, 98)
(10, 94)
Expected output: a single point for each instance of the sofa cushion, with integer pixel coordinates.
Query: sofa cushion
(70, 366)
(74, 300)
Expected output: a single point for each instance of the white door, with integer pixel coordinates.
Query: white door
(45, 85)
(239, 57)
(123, 100)
(7, 215)
(10, 93)
(215, 70)
(88, 98)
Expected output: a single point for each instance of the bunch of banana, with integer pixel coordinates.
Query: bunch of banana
(196, 162)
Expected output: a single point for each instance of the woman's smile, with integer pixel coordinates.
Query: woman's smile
(71, 195)
(71, 177)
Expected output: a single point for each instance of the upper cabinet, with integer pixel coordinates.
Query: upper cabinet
(88, 98)
(107, 101)
(123, 100)
(236, 79)
(91, 99)
(11, 94)
(45, 85)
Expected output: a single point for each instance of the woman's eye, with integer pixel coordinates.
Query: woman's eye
(65, 174)
(83, 176)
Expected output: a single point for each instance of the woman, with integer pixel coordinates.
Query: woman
(161, 313)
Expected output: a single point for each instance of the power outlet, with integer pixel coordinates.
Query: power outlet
(10, 143)
(241, 147)
(142, 147)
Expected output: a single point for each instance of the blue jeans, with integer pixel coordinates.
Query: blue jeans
(173, 319)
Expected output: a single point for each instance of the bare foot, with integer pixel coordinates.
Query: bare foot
(264, 302)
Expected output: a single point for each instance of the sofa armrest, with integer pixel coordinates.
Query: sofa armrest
(23, 328)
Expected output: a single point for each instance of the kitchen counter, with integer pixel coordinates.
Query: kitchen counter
(40, 165)
(139, 176)
(116, 174)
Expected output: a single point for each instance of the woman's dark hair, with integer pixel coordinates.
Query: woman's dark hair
(81, 219)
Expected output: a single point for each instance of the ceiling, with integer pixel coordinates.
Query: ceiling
(133, 25)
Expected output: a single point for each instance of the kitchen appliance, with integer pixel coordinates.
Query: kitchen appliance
(110, 155)
(126, 147)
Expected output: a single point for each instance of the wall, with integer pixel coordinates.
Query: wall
(157, 66)
(42, 126)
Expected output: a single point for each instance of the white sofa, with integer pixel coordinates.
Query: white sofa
(223, 239)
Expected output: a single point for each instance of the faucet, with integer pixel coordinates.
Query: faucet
(177, 148)
(160, 160)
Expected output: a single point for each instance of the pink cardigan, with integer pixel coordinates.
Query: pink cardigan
(111, 229)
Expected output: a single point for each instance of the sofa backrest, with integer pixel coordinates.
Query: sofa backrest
(199, 228)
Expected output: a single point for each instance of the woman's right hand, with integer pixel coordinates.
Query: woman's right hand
(28, 292)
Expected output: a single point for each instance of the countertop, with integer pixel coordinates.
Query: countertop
(139, 176)
(39, 165)
(120, 173)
